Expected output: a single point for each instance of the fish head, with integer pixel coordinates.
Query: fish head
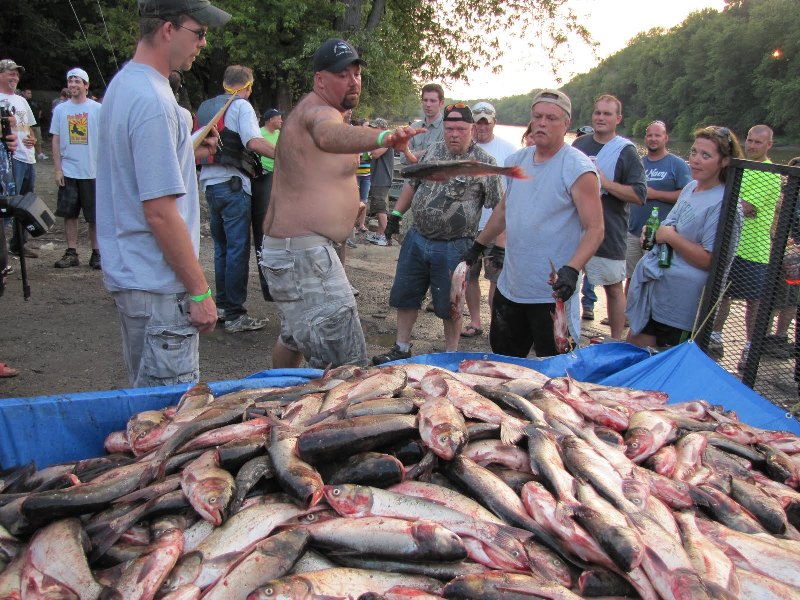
(640, 442)
(431, 538)
(447, 441)
(210, 499)
(637, 492)
(509, 555)
(349, 500)
(287, 588)
(185, 572)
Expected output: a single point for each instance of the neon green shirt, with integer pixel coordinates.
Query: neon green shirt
(762, 190)
(269, 163)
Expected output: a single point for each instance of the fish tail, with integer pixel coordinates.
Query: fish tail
(511, 431)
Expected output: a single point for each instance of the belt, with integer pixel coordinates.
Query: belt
(302, 242)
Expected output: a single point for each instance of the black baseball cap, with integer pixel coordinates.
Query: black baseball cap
(201, 11)
(269, 113)
(335, 55)
(458, 112)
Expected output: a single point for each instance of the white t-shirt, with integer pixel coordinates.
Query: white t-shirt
(78, 128)
(241, 118)
(500, 149)
(147, 154)
(25, 120)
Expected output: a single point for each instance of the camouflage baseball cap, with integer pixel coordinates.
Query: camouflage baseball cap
(9, 65)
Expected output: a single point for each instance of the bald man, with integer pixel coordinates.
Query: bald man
(758, 195)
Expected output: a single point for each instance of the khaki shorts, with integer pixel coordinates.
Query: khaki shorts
(633, 253)
(159, 344)
(378, 199)
(605, 271)
(319, 317)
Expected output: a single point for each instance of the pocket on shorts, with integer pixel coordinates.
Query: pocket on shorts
(280, 276)
(337, 338)
(170, 355)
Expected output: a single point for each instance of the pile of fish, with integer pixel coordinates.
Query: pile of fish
(412, 481)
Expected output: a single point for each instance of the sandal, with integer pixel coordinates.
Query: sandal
(471, 331)
(6, 371)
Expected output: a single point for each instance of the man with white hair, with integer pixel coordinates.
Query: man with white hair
(553, 216)
(75, 132)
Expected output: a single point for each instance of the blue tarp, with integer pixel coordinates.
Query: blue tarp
(53, 429)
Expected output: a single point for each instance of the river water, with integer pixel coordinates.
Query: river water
(778, 154)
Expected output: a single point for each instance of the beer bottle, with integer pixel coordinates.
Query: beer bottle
(664, 256)
(650, 228)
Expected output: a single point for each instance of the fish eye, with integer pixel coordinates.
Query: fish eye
(212, 500)
(443, 438)
(336, 491)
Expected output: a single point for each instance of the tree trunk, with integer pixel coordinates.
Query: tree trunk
(350, 21)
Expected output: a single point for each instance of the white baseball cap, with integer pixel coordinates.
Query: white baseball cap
(484, 110)
(78, 72)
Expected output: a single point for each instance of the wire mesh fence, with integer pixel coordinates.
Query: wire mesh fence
(749, 310)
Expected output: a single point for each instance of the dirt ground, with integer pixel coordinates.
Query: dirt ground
(65, 338)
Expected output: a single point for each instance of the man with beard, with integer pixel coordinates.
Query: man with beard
(148, 210)
(313, 206)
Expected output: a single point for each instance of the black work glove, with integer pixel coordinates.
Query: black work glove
(565, 283)
(392, 225)
(473, 254)
(497, 256)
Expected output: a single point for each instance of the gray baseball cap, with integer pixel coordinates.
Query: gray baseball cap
(560, 99)
(201, 11)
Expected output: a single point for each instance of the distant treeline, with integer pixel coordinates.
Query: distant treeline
(735, 68)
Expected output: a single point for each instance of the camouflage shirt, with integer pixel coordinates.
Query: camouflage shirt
(452, 209)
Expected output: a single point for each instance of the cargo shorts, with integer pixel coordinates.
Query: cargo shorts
(319, 316)
(74, 196)
(159, 344)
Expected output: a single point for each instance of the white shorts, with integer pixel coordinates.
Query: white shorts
(605, 271)
(633, 253)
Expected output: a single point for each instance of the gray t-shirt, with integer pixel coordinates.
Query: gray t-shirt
(147, 153)
(628, 171)
(675, 295)
(542, 222)
(382, 169)
(421, 142)
(666, 175)
(77, 125)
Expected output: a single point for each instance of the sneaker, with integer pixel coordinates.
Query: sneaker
(394, 353)
(42, 156)
(70, 259)
(588, 314)
(351, 243)
(94, 260)
(244, 323)
(716, 351)
(743, 360)
(378, 240)
(220, 314)
(29, 252)
(354, 290)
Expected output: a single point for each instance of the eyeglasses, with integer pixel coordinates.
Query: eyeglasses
(200, 33)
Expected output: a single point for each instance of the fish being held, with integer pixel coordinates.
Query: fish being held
(447, 169)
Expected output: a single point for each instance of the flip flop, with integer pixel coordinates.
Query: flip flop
(471, 331)
(6, 371)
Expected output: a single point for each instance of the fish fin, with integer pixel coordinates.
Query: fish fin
(511, 431)
(516, 172)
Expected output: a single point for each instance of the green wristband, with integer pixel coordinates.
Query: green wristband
(382, 135)
(201, 297)
(397, 213)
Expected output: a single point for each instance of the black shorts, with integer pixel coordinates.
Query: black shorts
(666, 335)
(76, 194)
(518, 327)
(747, 279)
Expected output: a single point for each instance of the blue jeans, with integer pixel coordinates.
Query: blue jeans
(425, 262)
(364, 183)
(588, 297)
(229, 218)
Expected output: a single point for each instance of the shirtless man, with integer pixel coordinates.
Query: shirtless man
(313, 205)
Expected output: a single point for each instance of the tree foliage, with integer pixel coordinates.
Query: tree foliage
(406, 43)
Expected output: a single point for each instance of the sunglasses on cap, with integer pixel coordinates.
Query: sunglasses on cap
(450, 107)
(721, 132)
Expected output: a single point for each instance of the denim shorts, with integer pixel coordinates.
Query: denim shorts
(159, 344)
(747, 279)
(318, 310)
(424, 263)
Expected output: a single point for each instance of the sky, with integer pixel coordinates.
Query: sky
(611, 24)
